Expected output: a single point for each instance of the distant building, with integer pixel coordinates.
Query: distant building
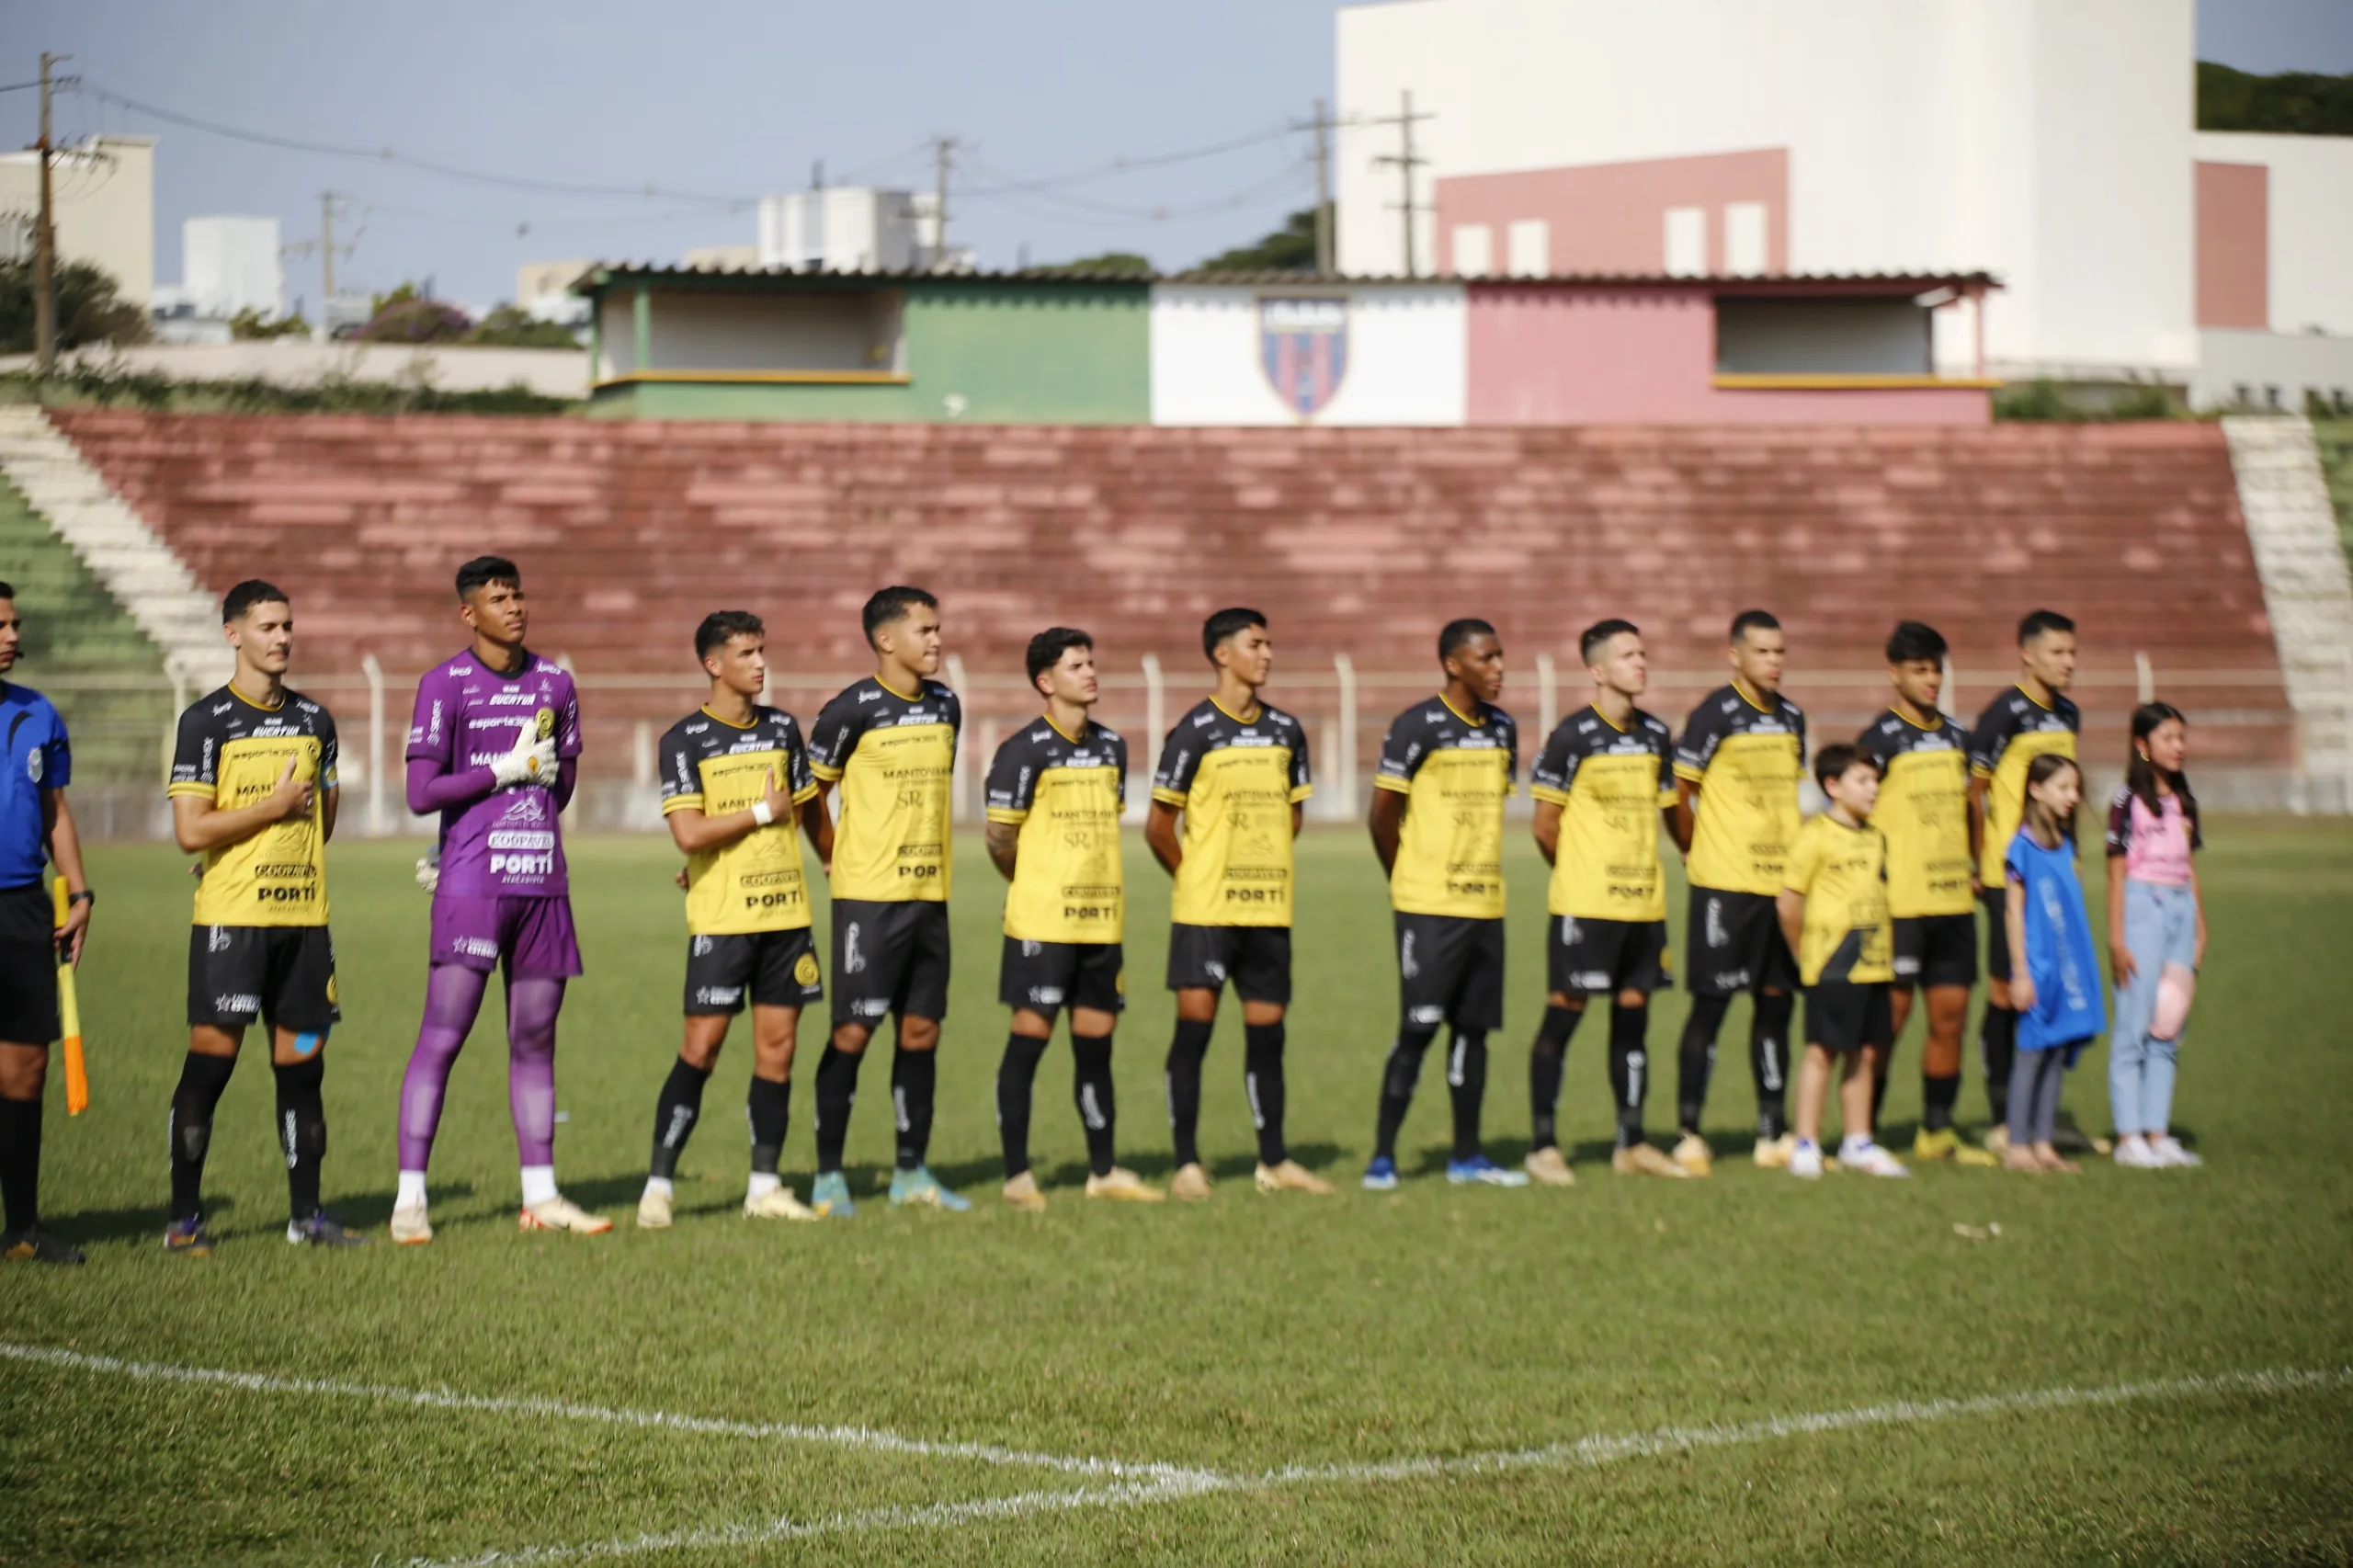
(2053, 143)
(544, 292)
(1274, 348)
(104, 196)
(854, 229)
(723, 258)
(231, 265)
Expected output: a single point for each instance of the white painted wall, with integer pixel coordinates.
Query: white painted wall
(232, 264)
(2311, 223)
(1405, 358)
(2046, 141)
(2271, 369)
(106, 206)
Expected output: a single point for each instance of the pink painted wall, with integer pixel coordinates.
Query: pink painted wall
(1611, 219)
(2234, 246)
(1585, 355)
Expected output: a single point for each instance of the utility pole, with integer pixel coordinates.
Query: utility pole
(943, 153)
(330, 202)
(45, 238)
(1405, 163)
(1321, 125)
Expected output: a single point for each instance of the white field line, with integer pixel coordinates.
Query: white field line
(855, 1438)
(1591, 1452)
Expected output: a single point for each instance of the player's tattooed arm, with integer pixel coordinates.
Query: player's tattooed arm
(1386, 818)
(1004, 839)
(1160, 834)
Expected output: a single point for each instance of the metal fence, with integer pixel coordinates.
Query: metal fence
(1345, 710)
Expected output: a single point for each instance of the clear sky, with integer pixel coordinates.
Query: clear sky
(737, 98)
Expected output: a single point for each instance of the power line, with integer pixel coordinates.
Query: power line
(1129, 165)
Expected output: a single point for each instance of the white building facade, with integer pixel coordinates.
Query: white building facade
(2051, 143)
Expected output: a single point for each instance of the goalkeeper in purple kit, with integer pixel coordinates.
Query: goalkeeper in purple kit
(494, 748)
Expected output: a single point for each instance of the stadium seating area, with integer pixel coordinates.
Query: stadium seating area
(1358, 541)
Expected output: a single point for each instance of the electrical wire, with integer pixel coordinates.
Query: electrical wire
(1129, 165)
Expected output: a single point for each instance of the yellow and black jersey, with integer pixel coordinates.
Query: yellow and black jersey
(230, 751)
(1842, 873)
(1924, 813)
(893, 754)
(710, 766)
(2013, 731)
(1610, 785)
(1064, 792)
(1746, 757)
(1455, 772)
(1236, 781)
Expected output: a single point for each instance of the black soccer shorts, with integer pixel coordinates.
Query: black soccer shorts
(1841, 1015)
(28, 966)
(1601, 958)
(1045, 977)
(1935, 949)
(1735, 944)
(889, 958)
(765, 969)
(283, 974)
(1256, 958)
(1449, 970)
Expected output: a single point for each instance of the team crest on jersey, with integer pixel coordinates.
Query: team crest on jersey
(1303, 347)
(805, 968)
(545, 721)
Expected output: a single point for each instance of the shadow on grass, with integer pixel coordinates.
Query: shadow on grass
(146, 1222)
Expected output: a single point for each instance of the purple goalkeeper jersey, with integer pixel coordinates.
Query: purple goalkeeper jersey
(507, 842)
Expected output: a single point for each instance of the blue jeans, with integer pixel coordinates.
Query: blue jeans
(2160, 928)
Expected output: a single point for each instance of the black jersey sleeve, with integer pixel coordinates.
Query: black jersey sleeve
(196, 752)
(1702, 733)
(839, 725)
(1119, 745)
(681, 771)
(330, 750)
(1303, 777)
(1404, 749)
(1180, 759)
(1556, 765)
(1511, 748)
(1991, 737)
(799, 778)
(1012, 778)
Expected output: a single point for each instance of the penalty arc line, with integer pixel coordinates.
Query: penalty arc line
(1589, 1452)
(855, 1438)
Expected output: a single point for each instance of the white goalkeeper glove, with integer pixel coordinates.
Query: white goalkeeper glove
(531, 762)
(429, 869)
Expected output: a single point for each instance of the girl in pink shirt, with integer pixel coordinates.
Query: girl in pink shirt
(2157, 935)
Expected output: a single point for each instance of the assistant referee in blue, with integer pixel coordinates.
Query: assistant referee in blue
(36, 826)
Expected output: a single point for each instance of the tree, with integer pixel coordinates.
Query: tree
(2293, 103)
(1126, 263)
(250, 325)
(1290, 248)
(510, 326)
(406, 315)
(90, 308)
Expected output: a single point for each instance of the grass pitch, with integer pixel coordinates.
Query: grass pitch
(1257, 1347)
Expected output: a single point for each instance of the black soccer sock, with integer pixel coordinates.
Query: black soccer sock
(1630, 1078)
(674, 1115)
(20, 1161)
(836, 1092)
(1879, 1087)
(302, 1131)
(1547, 1060)
(1466, 1084)
(1937, 1096)
(202, 1078)
(1014, 1077)
(1183, 1075)
(1997, 1044)
(1768, 1060)
(915, 1076)
(1398, 1076)
(1696, 1058)
(768, 1106)
(1262, 1077)
(1090, 1088)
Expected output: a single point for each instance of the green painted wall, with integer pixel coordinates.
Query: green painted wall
(1014, 353)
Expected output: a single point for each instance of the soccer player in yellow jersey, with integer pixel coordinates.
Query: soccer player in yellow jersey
(1923, 812)
(1737, 768)
(736, 791)
(253, 791)
(1447, 768)
(1833, 910)
(1055, 790)
(888, 744)
(1234, 769)
(2033, 717)
(1603, 784)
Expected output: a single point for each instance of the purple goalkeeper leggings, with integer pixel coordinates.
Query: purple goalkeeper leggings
(453, 997)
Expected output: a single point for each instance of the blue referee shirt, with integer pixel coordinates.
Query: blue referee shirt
(34, 756)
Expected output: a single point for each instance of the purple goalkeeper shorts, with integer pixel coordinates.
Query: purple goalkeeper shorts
(529, 936)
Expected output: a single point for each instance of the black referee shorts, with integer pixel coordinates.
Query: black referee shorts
(28, 966)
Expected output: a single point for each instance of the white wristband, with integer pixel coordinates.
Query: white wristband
(761, 814)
